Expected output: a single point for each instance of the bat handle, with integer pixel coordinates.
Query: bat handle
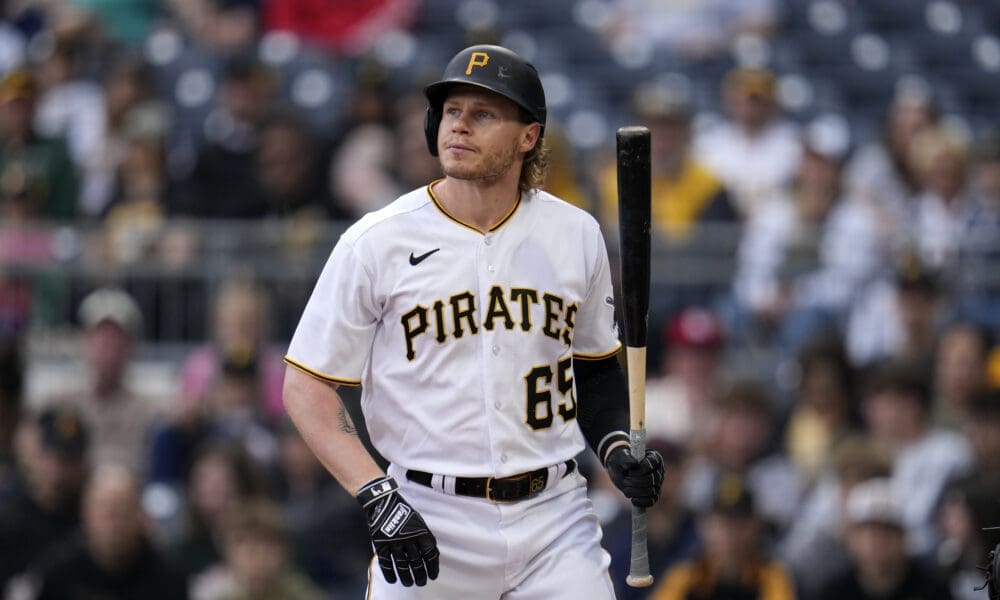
(638, 576)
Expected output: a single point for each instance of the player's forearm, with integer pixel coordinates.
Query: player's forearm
(603, 404)
(320, 416)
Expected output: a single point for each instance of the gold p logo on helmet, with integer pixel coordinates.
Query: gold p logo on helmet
(477, 59)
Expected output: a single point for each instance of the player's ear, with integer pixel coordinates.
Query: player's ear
(530, 137)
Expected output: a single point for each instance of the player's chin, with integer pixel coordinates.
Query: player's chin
(459, 170)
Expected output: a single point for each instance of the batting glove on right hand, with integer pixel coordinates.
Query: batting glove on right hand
(403, 543)
(639, 480)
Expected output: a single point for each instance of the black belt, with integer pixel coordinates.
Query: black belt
(504, 489)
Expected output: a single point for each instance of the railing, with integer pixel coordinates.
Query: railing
(174, 270)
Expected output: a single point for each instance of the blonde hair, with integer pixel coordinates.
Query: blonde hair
(933, 144)
(535, 167)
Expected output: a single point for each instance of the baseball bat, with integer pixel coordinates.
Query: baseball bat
(634, 255)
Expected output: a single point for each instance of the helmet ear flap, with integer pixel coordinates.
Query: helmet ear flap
(432, 122)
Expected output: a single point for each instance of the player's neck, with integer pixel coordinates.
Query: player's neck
(479, 204)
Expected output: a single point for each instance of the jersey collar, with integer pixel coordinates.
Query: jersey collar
(444, 211)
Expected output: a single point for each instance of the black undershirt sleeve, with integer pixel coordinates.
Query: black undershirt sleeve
(602, 402)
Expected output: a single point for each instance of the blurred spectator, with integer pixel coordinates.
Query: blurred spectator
(897, 416)
(39, 158)
(223, 183)
(115, 557)
(120, 418)
(141, 189)
(743, 420)
(756, 150)
(939, 160)
(671, 528)
(11, 404)
(226, 27)
(825, 407)
(685, 194)
(329, 536)
(959, 370)
(694, 30)
(32, 290)
(899, 317)
(362, 170)
(977, 281)
(70, 106)
(221, 479)
(239, 330)
(348, 28)
(258, 566)
(691, 209)
(796, 271)
(289, 175)
(880, 568)
(880, 173)
(679, 392)
(813, 548)
(127, 85)
(228, 415)
(983, 432)
(43, 507)
(968, 507)
(734, 562)
(416, 167)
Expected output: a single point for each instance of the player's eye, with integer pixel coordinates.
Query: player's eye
(484, 115)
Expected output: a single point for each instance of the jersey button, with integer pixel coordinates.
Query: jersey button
(496, 350)
(497, 404)
(487, 240)
(491, 269)
(503, 458)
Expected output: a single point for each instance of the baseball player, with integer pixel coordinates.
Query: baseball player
(477, 315)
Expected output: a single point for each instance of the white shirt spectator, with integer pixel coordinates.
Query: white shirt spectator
(920, 474)
(872, 177)
(773, 480)
(752, 167)
(75, 110)
(937, 227)
(849, 254)
(874, 328)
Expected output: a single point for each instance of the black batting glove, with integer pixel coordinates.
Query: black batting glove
(403, 543)
(639, 480)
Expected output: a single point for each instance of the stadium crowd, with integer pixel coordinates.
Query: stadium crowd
(827, 401)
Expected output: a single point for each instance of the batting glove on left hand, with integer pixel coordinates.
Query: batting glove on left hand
(402, 541)
(639, 480)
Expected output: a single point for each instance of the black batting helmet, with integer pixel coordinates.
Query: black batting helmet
(494, 68)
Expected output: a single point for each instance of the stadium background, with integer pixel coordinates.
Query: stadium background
(209, 152)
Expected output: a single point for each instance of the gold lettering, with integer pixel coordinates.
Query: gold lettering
(551, 315)
(497, 308)
(477, 59)
(468, 313)
(526, 297)
(409, 333)
(439, 321)
(568, 319)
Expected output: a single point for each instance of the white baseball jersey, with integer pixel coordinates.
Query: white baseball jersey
(463, 341)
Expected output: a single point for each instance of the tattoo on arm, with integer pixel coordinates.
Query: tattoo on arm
(346, 425)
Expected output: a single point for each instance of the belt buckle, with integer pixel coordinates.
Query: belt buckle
(489, 491)
(535, 485)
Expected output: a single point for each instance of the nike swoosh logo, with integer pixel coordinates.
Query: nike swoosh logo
(416, 260)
